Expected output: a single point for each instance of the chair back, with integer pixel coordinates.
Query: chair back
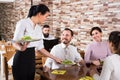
(38, 60)
(2, 42)
(9, 51)
(82, 53)
(8, 43)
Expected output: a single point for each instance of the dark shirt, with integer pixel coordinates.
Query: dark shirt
(48, 44)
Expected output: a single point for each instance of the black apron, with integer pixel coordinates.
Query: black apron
(24, 64)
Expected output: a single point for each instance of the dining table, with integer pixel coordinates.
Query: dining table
(74, 72)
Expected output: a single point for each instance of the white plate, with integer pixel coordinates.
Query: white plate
(32, 40)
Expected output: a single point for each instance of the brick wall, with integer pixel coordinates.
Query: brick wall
(82, 15)
(79, 15)
(10, 13)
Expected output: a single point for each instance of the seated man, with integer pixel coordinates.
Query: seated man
(46, 33)
(48, 40)
(64, 51)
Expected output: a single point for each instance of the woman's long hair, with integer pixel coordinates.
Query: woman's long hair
(115, 39)
(35, 9)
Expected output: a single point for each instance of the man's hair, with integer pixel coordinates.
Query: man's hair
(46, 26)
(69, 30)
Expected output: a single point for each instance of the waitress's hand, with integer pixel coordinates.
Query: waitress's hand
(23, 47)
(58, 60)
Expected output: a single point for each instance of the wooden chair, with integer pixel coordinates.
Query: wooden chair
(39, 65)
(44, 59)
(8, 43)
(2, 42)
(38, 60)
(9, 52)
(82, 53)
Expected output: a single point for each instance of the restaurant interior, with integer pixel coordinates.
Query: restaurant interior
(78, 15)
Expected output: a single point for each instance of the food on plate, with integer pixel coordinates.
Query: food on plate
(86, 78)
(67, 62)
(26, 38)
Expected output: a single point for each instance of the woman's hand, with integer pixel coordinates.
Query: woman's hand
(58, 60)
(93, 71)
(24, 46)
(20, 46)
(96, 62)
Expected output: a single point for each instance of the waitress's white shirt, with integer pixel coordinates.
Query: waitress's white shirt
(26, 27)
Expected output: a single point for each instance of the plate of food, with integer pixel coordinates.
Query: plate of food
(67, 62)
(86, 78)
(27, 39)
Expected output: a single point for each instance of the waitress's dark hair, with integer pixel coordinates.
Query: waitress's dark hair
(115, 39)
(35, 9)
(95, 28)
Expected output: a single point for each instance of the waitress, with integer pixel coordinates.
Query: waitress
(24, 60)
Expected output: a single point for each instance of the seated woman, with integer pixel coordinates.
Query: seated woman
(111, 65)
(98, 49)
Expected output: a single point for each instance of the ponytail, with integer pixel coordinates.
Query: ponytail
(35, 9)
(32, 11)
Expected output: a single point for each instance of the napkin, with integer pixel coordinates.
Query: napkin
(86, 78)
(58, 72)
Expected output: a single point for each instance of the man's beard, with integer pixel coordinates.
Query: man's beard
(46, 35)
(66, 41)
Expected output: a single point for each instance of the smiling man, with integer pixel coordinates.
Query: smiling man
(64, 51)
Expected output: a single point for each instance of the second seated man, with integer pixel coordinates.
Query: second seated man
(48, 39)
(46, 33)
